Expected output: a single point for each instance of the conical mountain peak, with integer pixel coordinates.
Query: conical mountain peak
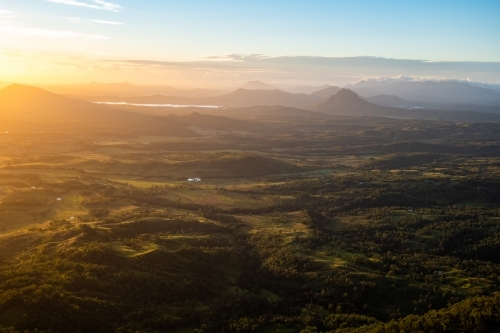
(345, 97)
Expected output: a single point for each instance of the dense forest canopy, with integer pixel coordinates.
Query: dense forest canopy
(325, 225)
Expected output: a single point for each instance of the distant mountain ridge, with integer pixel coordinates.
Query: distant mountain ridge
(238, 98)
(243, 97)
(347, 103)
(36, 107)
(307, 89)
(444, 92)
(391, 101)
(18, 102)
(325, 93)
(257, 85)
(272, 111)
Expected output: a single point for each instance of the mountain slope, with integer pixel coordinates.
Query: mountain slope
(364, 91)
(391, 101)
(325, 93)
(347, 102)
(431, 91)
(261, 112)
(238, 98)
(126, 89)
(244, 97)
(257, 85)
(307, 89)
(4, 85)
(31, 103)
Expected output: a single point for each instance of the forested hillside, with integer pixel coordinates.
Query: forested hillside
(317, 226)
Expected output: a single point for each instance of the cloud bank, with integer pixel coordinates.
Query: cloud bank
(320, 70)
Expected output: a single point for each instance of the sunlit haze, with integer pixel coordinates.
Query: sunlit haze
(249, 166)
(223, 44)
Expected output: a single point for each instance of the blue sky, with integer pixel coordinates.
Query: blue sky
(96, 39)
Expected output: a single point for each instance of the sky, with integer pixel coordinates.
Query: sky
(226, 43)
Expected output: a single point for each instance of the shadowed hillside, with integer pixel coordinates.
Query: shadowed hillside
(34, 107)
(30, 103)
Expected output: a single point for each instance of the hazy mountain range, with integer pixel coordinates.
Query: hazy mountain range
(239, 98)
(257, 85)
(445, 95)
(32, 104)
(430, 92)
(307, 89)
(346, 102)
(424, 100)
(459, 96)
(25, 107)
(127, 89)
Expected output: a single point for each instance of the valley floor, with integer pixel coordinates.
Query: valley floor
(336, 225)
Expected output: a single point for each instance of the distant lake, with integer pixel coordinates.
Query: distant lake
(161, 105)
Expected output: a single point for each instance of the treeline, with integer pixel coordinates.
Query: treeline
(477, 314)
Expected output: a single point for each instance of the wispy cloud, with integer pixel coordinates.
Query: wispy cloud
(107, 22)
(5, 12)
(94, 4)
(74, 19)
(12, 30)
(81, 20)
